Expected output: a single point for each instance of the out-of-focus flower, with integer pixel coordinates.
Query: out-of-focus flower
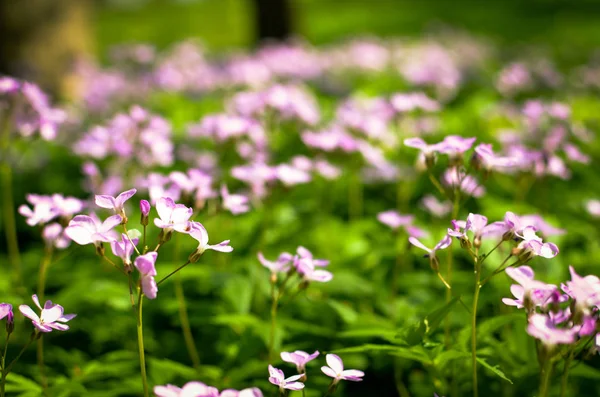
(6, 311)
(541, 327)
(435, 207)
(593, 208)
(395, 220)
(277, 378)
(585, 291)
(124, 248)
(234, 203)
(468, 185)
(51, 317)
(530, 293)
(306, 268)
(53, 235)
(190, 389)
(335, 370)
(46, 208)
(281, 265)
(300, 358)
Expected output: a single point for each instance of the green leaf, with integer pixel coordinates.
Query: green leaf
(415, 333)
(416, 353)
(495, 369)
(346, 312)
(444, 358)
(584, 371)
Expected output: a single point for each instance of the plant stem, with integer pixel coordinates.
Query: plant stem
(113, 264)
(173, 272)
(8, 205)
(437, 184)
(42, 367)
(140, 338)
(545, 376)
(6, 371)
(3, 382)
(185, 324)
(564, 383)
(274, 301)
(474, 327)
(355, 197)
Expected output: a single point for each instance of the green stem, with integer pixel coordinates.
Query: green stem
(564, 383)
(173, 272)
(474, 327)
(3, 381)
(42, 367)
(6, 371)
(437, 184)
(185, 324)
(140, 338)
(113, 264)
(274, 301)
(8, 205)
(545, 376)
(355, 197)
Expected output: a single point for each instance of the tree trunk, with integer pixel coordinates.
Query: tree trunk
(273, 19)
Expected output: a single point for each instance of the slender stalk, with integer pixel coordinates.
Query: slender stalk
(41, 365)
(8, 205)
(474, 327)
(41, 290)
(144, 246)
(6, 371)
(140, 338)
(355, 197)
(564, 382)
(437, 184)
(113, 264)
(3, 381)
(173, 272)
(185, 324)
(545, 375)
(499, 269)
(274, 300)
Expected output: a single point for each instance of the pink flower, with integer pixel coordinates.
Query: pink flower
(437, 208)
(85, 229)
(199, 233)
(234, 203)
(336, 370)
(124, 248)
(281, 265)
(52, 316)
(299, 358)
(173, 216)
(115, 203)
(543, 328)
(190, 389)
(146, 266)
(277, 378)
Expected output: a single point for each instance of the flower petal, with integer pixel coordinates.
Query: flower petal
(335, 362)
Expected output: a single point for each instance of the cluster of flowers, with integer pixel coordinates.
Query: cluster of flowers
(51, 316)
(172, 217)
(199, 389)
(303, 264)
(557, 316)
(520, 229)
(334, 369)
(28, 108)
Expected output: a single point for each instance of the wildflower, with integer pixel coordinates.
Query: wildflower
(395, 220)
(234, 203)
(454, 145)
(306, 268)
(52, 316)
(146, 266)
(593, 208)
(543, 328)
(299, 358)
(199, 233)
(530, 293)
(303, 253)
(172, 216)
(190, 389)
(442, 244)
(437, 208)
(6, 311)
(277, 378)
(456, 178)
(585, 291)
(85, 229)
(281, 265)
(145, 211)
(335, 369)
(115, 203)
(124, 248)
(428, 151)
(53, 235)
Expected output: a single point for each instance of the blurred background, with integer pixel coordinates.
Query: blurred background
(39, 39)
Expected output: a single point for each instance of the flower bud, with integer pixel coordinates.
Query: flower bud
(10, 323)
(465, 243)
(145, 209)
(434, 262)
(195, 256)
(525, 255)
(99, 248)
(430, 160)
(165, 235)
(507, 236)
(477, 242)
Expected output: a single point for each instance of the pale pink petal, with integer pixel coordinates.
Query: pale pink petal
(29, 313)
(335, 362)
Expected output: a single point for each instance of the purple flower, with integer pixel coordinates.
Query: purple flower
(146, 266)
(490, 161)
(437, 208)
(173, 216)
(234, 203)
(190, 389)
(6, 310)
(584, 290)
(306, 268)
(431, 252)
(115, 203)
(277, 378)
(145, 207)
(394, 220)
(455, 178)
(420, 144)
(335, 369)
(530, 293)
(281, 265)
(124, 248)
(299, 358)
(85, 229)
(541, 327)
(303, 253)
(52, 316)
(290, 175)
(199, 233)
(454, 145)
(53, 235)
